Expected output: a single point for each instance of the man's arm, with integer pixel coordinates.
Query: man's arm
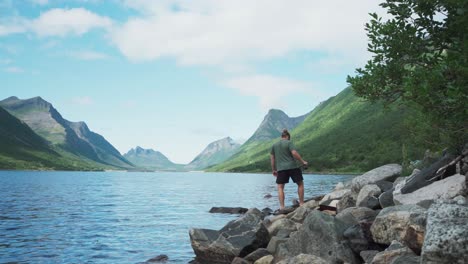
(273, 165)
(298, 157)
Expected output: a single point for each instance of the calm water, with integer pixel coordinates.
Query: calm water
(124, 217)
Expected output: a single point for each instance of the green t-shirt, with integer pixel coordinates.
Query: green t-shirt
(284, 159)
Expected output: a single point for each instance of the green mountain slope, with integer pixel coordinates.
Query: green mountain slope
(342, 134)
(151, 159)
(72, 137)
(215, 153)
(22, 148)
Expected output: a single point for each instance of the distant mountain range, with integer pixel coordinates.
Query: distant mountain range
(342, 134)
(74, 138)
(151, 160)
(215, 153)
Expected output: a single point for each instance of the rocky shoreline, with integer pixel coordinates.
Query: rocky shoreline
(378, 217)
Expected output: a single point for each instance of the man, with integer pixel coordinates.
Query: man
(283, 158)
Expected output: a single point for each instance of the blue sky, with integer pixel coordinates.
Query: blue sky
(176, 75)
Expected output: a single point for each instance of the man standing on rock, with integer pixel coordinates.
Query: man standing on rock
(283, 158)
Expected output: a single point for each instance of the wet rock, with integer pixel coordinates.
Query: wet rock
(320, 235)
(446, 238)
(387, 172)
(368, 196)
(267, 196)
(158, 259)
(228, 210)
(257, 254)
(403, 223)
(444, 189)
(238, 238)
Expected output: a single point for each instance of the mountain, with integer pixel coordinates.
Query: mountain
(342, 134)
(215, 153)
(150, 159)
(72, 137)
(22, 148)
(273, 124)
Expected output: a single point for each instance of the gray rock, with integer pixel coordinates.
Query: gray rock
(444, 189)
(238, 260)
(384, 185)
(299, 215)
(348, 200)
(228, 210)
(335, 195)
(461, 200)
(282, 224)
(368, 196)
(312, 204)
(158, 259)
(274, 243)
(320, 235)
(339, 186)
(304, 259)
(368, 255)
(354, 215)
(446, 239)
(360, 237)
(425, 203)
(403, 223)
(265, 260)
(257, 254)
(395, 253)
(386, 199)
(387, 172)
(237, 239)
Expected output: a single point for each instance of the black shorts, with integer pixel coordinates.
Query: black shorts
(295, 174)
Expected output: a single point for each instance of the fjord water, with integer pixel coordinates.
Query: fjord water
(124, 217)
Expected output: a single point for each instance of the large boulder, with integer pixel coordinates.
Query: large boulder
(447, 188)
(237, 239)
(299, 214)
(282, 224)
(403, 223)
(228, 210)
(320, 235)
(360, 237)
(387, 172)
(386, 199)
(257, 254)
(335, 195)
(446, 239)
(368, 196)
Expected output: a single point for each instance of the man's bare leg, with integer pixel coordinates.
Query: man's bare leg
(281, 195)
(300, 192)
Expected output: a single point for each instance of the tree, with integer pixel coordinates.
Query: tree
(420, 59)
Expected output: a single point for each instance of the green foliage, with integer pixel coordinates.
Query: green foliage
(420, 59)
(342, 134)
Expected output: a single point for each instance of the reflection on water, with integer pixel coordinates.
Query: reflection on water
(102, 217)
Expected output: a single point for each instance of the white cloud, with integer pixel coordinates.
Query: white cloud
(214, 32)
(62, 22)
(88, 55)
(57, 22)
(13, 69)
(83, 100)
(268, 89)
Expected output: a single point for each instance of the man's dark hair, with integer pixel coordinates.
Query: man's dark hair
(285, 134)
